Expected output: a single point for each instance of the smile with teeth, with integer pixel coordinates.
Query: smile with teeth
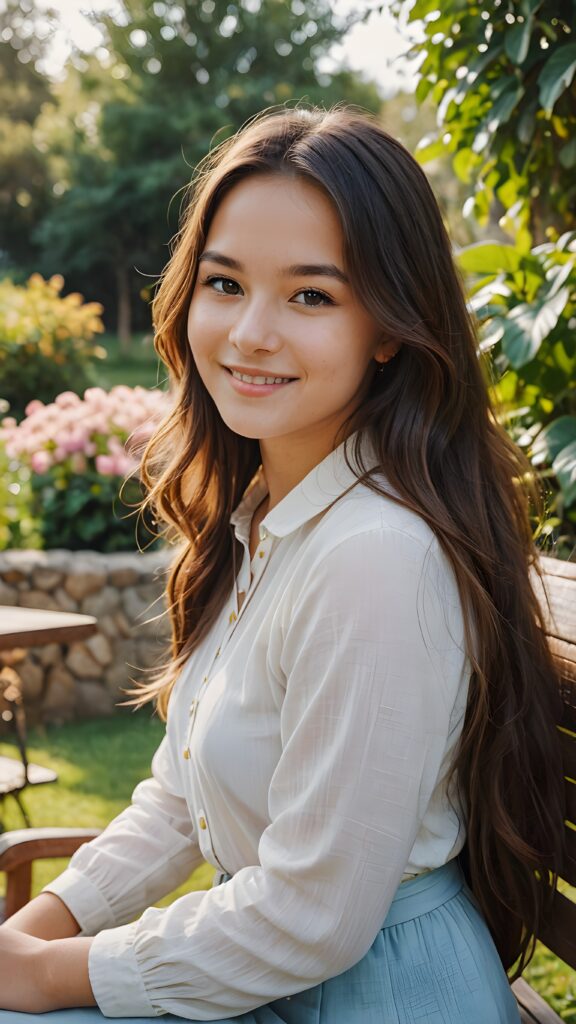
(260, 380)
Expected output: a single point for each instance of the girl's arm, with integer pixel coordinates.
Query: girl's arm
(145, 852)
(45, 917)
(37, 976)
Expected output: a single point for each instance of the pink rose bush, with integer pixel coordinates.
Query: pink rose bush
(80, 450)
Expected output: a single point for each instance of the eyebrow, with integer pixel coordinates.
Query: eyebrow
(296, 270)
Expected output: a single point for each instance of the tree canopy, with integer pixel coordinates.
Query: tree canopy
(171, 79)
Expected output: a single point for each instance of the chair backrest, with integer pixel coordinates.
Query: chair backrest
(559, 932)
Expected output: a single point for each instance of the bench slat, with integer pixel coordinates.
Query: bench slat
(569, 868)
(568, 747)
(559, 934)
(533, 1009)
(570, 791)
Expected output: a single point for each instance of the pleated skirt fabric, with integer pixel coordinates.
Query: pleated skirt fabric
(432, 962)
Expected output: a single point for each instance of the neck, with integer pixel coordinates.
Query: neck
(285, 464)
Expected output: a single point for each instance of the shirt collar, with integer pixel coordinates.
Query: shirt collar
(323, 485)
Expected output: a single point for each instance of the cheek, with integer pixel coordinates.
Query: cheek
(200, 330)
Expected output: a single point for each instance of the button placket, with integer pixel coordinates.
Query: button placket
(194, 703)
(234, 616)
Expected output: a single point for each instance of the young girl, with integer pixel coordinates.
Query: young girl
(360, 708)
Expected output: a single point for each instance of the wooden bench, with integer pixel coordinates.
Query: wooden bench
(19, 849)
(559, 933)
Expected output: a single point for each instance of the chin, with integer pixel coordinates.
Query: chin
(241, 428)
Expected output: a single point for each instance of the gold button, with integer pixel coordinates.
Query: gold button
(261, 554)
(232, 617)
(202, 823)
(217, 653)
(205, 680)
(186, 754)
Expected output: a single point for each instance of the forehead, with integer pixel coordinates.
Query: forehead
(277, 213)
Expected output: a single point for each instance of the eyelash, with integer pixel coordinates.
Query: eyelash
(327, 301)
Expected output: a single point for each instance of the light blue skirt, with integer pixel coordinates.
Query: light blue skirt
(432, 962)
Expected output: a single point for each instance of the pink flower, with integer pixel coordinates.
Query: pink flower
(66, 400)
(33, 406)
(71, 429)
(106, 465)
(74, 442)
(40, 462)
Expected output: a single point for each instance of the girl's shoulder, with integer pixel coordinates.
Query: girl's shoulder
(364, 510)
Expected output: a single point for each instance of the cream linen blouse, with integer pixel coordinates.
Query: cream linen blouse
(306, 751)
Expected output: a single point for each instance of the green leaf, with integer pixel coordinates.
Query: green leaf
(431, 150)
(565, 240)
(504, 106)
(556, 75)
(489, 258)
(557, 275)
(564, 466)
(529, 7)
(553, 438)
(528, 324)
(422, 89)
(567, 155)
(517, 40)
(563, 360)
(465, 163)
(493, 333)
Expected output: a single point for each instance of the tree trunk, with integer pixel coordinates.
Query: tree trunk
(124, 308)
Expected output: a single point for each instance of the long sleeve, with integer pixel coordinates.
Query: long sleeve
(143, 854)
(373, 663)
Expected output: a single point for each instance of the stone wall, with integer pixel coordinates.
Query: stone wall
(124, 592)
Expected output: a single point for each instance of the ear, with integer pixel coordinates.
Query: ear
(386, 351)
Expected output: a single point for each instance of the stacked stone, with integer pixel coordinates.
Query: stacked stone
(123, 591)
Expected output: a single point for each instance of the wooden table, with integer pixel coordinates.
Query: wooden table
(31, 627)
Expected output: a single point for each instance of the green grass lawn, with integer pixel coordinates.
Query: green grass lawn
(98, 765)
(139, 365)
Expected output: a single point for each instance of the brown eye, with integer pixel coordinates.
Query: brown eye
(318, 298)
(228, 285)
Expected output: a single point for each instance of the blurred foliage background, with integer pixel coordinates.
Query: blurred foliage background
(94, 164)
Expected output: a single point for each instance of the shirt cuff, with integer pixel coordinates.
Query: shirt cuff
(84, 901)
(115, 976)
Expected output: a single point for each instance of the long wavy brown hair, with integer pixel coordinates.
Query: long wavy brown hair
(441, 449)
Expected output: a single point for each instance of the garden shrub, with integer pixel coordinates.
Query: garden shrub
(18, 528)
(82, 455)
(46, 341)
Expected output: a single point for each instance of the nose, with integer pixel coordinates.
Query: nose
(255, 328)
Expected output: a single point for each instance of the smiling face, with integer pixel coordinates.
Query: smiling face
(272, 300)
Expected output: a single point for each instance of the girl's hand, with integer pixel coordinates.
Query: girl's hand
(37, 975)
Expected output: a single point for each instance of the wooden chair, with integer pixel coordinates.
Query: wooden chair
(19, 849)
(15, 775)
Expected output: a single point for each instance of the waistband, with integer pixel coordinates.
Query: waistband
(425, 893)
(416, 896)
